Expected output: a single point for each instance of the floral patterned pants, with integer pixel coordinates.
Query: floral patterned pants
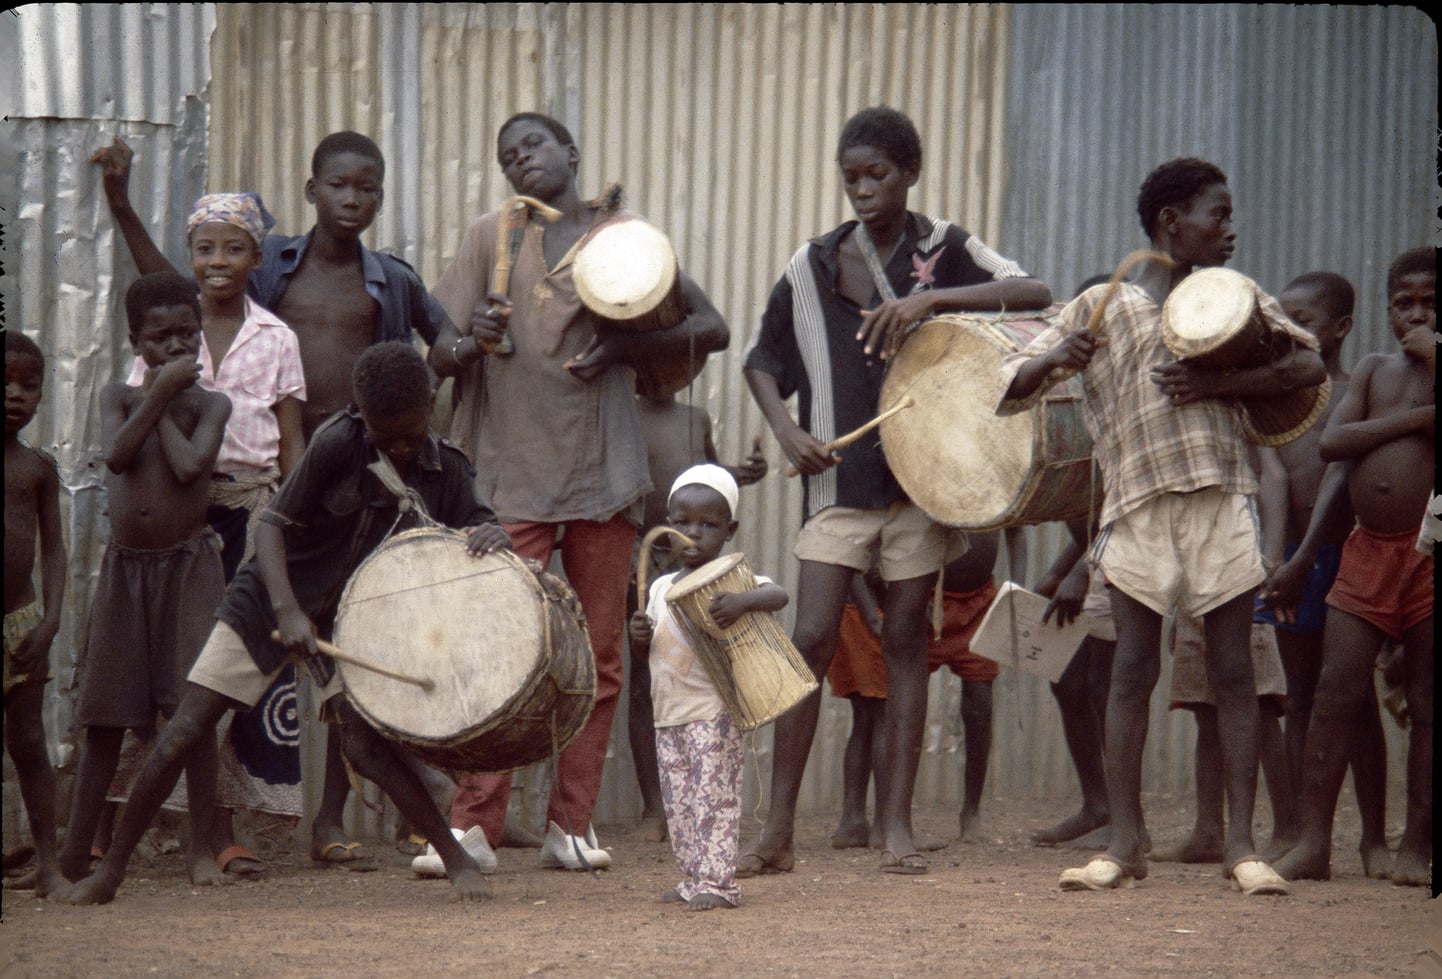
(701, 765)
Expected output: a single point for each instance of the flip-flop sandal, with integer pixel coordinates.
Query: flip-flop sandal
(346, 858)
(755, 865)
(413, 845)
(239, 861)
(1254, 876)
(910, 864)
(1100, 874)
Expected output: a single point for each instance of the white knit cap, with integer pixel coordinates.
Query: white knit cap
(712, 476)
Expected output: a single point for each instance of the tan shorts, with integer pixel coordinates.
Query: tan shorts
(1098, 608)
(907, 543)
(1196, 551)
(1190, 685)
(225, 666)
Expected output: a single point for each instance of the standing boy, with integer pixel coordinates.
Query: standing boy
(32, 504)
(551, 423)
(332, 512)
(843, 304)
(1385, 427)
(161, 578)
(1177, 524)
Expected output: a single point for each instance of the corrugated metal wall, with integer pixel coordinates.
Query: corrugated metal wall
(721, 120)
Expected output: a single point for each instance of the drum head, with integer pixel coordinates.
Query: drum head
(625, 270)
(420, 604)
(704, 575)
(956, 458)
(1206, 308)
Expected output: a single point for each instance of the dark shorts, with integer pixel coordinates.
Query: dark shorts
(1311, 611)
(152, 612)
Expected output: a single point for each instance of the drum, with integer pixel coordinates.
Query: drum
(505, 646)
(626, 275)
(1212, 318)
(758, 672)
(960, 461)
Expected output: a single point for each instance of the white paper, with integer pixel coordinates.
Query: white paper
(1040, 648)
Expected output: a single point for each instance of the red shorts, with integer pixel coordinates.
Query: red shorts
(1384, 580)
(858, 667)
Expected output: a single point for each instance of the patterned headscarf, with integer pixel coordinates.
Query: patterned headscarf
(244, 210)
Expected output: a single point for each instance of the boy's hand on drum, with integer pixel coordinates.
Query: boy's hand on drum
(640, 630)
(727, 607)
(607, 347)
(885, 327)
(1182, 383)
(486, 538)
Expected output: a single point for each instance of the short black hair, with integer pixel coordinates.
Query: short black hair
(157, 291)
(391, 379)
(17, 343)
(1176, 183)
(1334, 290)
(1094, 280)
(885, 129)
(558, 130)
(346, 142)
(1410, 263)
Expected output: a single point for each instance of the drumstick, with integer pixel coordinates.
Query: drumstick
(1094, 322)
(424, 682)
(515, 214)
(855, 434)
(643, 568)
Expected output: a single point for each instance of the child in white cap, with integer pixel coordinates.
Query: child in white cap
(698, 745)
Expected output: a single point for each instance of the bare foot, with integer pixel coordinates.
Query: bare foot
(671, 897)
(204, 871)
(75, 866)
(1070, 828)
(970, 823)
(1376, 860)
(51, 884)
(1411, 869)
(470, 884)
(851, 834)
(98, 888)
(1193, 849)
(708, 902)
(654, 828)
(1281, 845)
(1302, 862)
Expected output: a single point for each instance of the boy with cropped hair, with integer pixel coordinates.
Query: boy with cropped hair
(332, 512)
(161, 578)
(32, 506)
(842, 307)
(1177, 522)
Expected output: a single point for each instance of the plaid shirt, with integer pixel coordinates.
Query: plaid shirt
(1144, 445)
(259, 371)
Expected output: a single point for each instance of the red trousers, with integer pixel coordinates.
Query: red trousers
(596, 558)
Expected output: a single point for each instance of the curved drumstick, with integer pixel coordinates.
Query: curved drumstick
(515, 214)
(424, 682)
(1094, 322)
(643, 569)
(855, 434)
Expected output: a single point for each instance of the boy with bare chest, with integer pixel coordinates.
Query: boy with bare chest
(161, 578)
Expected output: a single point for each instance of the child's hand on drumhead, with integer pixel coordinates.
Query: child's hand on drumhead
(486, 538)
(884, 328)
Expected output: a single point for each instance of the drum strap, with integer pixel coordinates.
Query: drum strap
(873, 262)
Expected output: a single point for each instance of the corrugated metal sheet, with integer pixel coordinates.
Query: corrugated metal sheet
(721, 119)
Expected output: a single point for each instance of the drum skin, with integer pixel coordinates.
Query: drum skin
(504, 644)
(960, 461)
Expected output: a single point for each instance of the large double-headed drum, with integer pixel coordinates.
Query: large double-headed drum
(627, 276)
(960, 461)
(756, 669)
(1212, 318)
(504, 645)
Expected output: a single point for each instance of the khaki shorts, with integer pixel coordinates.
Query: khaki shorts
(1190, 685)
(226, 667)
(1097, 607)
(907, 542)
(1196, 551)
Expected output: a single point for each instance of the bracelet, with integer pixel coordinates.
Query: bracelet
(456, 351)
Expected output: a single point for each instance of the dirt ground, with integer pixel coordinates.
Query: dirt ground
(991, 908)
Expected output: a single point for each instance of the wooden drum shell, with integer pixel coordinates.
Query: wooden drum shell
(963, 464)
(505, 645)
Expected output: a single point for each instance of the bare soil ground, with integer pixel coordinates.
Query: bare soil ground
(991, 908)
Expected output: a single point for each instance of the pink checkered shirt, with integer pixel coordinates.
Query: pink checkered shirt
(261, 369)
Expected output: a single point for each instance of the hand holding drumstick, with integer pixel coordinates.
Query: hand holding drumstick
(830, 448)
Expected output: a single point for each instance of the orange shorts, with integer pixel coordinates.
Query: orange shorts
(858, 667)
(1384, 580)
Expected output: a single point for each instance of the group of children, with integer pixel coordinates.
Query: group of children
(1176, 530)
